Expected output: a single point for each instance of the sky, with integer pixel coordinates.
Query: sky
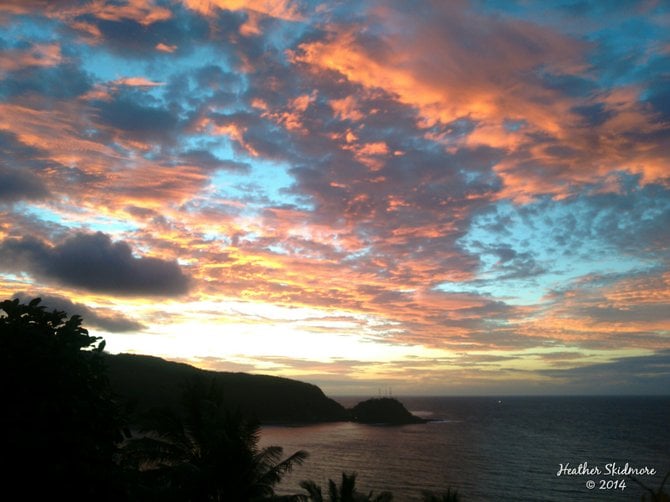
(439, 198)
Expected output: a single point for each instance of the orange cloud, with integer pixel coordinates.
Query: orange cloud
(233, 131)
(490, 73)
(146, 182)
(281, 9)
(57, 131)
(638, 291)
(145, 12)
(346, 109)
(16, 7)
(368, 154)
(165, 48)
(627, 314)
(36, 55)
(433, 72)
(136, 82)
(291, 117)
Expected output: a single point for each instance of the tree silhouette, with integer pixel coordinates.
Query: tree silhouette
(448, 496)
(656, 496)
(345, 492)
(59, 421)
(206, 453)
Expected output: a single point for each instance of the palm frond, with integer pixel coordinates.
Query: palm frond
(313, 490)
(270, 471)
(333, 491)
(150, 452)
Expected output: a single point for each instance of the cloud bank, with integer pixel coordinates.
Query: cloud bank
(481, 179)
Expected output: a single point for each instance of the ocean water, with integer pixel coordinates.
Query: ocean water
(492, 449)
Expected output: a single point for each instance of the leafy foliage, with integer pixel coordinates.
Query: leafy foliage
(150, 382)
(448, 496)
(63, 428)
(346, 491)
(208, 453)
(59, 418)
(658, 495)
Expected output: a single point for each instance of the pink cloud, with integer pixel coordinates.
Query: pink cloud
(451, 63)
(38, 55)
(165, 48)
(281, 9)
(136, 82)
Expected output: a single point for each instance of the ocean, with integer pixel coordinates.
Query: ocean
(493, 449)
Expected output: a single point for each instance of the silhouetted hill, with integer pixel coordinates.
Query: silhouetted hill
(146, 382)
(383, 410)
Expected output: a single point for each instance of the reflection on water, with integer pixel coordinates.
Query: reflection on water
(489, 449)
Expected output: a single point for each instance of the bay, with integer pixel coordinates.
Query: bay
(497, 448)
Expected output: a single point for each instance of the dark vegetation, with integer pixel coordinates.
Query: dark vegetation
(207, 452)
(145, 382)
(80, 424)
(346, 490)
(69, 410)
(59, 422)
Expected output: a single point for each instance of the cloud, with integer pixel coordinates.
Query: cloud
(16, 185)
(113, 322)
(143, 11)
(281, 9)
(648, 374)
(141, 25)
(136, 82)
(425, 55)
(207, 160)
(20, 165)
(460, 175)
(93, 262)
(33, 55)
(449, 62)
(137, 121)
(62, 81)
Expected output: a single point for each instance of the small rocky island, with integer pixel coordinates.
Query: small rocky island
(385, 410)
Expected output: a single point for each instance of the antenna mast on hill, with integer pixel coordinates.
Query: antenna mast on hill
(388, 392)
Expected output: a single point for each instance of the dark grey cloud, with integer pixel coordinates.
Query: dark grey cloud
(184, 30)
(19, 168)
(148, 123)
(568, 84)
(628, 314)
(636, 374)
(660, 99)
(209, 161)
(60, 82)
(203, 88)
(16, 185)
(95, 263)
(593, 115)
(213, 77)
(259, 134)
(113, 322)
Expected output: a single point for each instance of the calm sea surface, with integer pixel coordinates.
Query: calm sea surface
(491, 449)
